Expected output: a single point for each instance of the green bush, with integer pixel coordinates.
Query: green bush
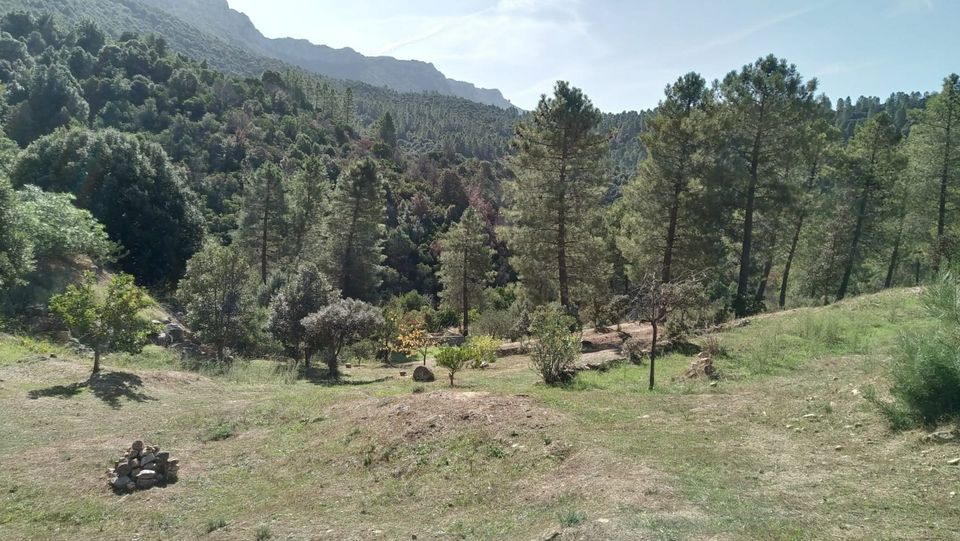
(926, 373)
(497, 323)
(556, 350)
(453, 359)
(481, 349)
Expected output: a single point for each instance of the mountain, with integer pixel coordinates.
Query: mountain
(235, 28)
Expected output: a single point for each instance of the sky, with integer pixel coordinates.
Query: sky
(623, 53)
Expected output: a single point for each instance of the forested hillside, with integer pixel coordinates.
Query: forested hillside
(755, 189)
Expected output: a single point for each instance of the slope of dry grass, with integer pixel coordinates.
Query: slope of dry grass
(784, 447)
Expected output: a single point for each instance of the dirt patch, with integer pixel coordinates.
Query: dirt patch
(423, 416)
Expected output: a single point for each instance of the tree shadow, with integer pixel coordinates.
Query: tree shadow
(322, 377)
(109, 387)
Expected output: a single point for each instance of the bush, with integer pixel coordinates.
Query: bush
(634, 350)
(926, 373)
(453, 359)
(482, 349)
(555, 353)
(495, 323)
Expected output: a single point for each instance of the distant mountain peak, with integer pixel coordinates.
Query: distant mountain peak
(235, 28)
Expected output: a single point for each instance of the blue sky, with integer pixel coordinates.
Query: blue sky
(624, 52)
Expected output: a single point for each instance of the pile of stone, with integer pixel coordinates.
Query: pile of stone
(143, 467)
(702, 367)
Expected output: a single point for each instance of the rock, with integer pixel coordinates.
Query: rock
(423, 374)
(347, 365)
(403, 373)
(552, 536)
(146, 474)
(137, 446)
(144, 484)
(147, 458)
(810, 416)
(134, 463)
(123, 468)
(954, 462)
(130, 486)
(163, 456)
(702, 366)
(121, 482)
(940, 437)
(838, 448)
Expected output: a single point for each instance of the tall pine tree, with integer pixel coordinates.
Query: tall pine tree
(263, 225)
(466, 265)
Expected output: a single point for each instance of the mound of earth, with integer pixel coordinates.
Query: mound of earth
(427, 415)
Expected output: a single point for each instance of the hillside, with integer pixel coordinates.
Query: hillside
(784, 447)
(209, 29)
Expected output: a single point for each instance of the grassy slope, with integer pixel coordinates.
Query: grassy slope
(499, 458)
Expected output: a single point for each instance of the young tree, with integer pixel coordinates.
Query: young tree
(306, 292)
(217, 296)
(555, 351)
(105, 323)
(560, 185)
(353, 232)
(935, 146)
(763, 102)
(466, 265)
(344, 322)
(453, 359)
(264, 220)
(654, 301)
(661, 214)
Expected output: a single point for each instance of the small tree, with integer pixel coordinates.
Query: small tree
(654, 301)
(556, 350)
(413, 338)
(217, 297)
(106, 323)
(344, 322)
(453, 359)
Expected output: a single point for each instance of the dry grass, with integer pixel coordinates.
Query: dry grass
(497, 457)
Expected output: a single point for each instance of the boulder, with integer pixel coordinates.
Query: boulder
(137, 446)
(121, 482)
(148, 457)
(423, 374)
(123, 468)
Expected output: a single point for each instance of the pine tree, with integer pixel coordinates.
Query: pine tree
(661, 214)
(871, 164)
(559, 187)
(935, 146)
(354, 232)
(764, 101)
(465, 265)
(263, 224)
(308, 204)
(387, 131)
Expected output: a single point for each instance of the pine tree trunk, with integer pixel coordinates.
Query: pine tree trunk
(942, 210)
(465, 296)
(743, 282)
(263, 239)
(653, 353)
(790, 254)
(671, 235)
(562, 258)
(888, 282)
(764, 279)
(96, 361)
(854, 246)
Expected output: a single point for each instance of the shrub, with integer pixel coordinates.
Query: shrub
(634, 350)
(341, 324)
(555, 353)
(926, 373)
(495, 323)
(482, 349)
(453, 359)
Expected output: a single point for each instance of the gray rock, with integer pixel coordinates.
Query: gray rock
(144, 484)
(423, 374)
(121, 482)
(147, 458)
(123, 468)
(137, 446)
(954, 462)
(146, 474)
(163, 456)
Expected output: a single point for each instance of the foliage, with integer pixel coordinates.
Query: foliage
(453, 359)
(105, 323)
(15, 248)
(556, 350)
(412, 339)
(59, 230)
(634, 350)
(340, 324)
(217, 297)
(926, 373)
(465, 266)
(130, 186)
(481, 350)
(306, 292)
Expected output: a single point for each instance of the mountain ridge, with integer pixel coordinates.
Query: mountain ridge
(236, 28)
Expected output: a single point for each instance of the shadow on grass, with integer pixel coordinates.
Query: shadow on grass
(110, 387)
(321, 376)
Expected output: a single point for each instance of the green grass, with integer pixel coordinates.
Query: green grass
(502, 456)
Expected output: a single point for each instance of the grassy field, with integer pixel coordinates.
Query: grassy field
(784, 447)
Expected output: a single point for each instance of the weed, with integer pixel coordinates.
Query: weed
(572, 518)
(215, 524)
(262, 533)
